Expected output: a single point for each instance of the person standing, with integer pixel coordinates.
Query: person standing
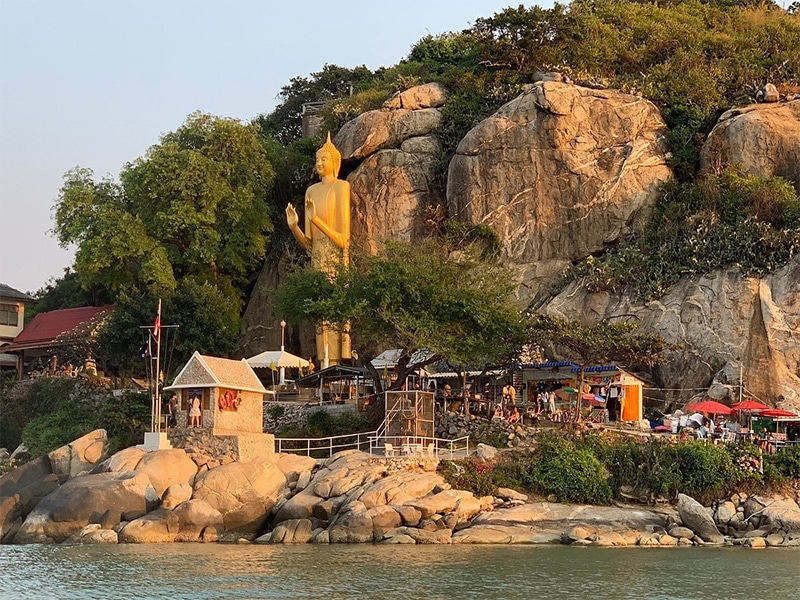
(172, 410)
(194, 411)
(509, 395)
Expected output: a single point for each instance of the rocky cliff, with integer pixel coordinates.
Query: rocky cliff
(563, 172)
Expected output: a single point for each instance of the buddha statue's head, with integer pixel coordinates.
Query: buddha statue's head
(334, 156)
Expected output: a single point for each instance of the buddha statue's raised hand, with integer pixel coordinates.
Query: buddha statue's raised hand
(291, 216)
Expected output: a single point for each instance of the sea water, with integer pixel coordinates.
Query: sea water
(206, 571)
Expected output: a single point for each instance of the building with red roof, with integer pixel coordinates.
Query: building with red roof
(50, 332)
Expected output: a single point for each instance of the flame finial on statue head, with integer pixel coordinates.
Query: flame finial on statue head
(331, 150)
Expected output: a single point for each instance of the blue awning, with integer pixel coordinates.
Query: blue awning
(550, 365)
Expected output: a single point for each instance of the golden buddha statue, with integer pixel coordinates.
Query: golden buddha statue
(326, 237)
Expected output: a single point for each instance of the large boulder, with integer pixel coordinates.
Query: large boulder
(697, 518)
(94, 534)
(340, 481)
(294, 465)
(761, 139)
(159, 526)
(443, 502)
(83, 500)
(389, 191)
(427, 95)
(195, 517)
(400, 488)
(559, 173)
(507, 534)
(21, 490)
(121, 462)
(79, 456)
(781, 512)
(354, 527)
(300, 506)
(167, 467)
(381, 129)
(175, 495)
(293, 531)
(243, 492)
(550, 515)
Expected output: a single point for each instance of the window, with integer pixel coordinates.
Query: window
(8, 315)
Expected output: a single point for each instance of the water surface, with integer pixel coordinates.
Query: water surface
(216, 571)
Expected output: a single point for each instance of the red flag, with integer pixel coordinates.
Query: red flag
(157, 328)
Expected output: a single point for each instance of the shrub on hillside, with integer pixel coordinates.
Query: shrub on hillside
(708, 471)
(482, 479)
(724, 219)
(650, 468)
(53, 430)
(569, 472)
(125, 420)
(19, 404)
(322, 424)
(786, 462)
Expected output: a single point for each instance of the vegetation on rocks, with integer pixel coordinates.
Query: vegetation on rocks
(50, 412)
(595, 468)
(722, 219)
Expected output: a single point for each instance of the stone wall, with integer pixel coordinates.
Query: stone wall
(295, 415)
(209, 451)
(481, 430)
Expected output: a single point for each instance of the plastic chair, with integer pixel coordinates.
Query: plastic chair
(431, 451)
(388, 450)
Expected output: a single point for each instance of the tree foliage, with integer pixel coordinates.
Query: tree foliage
(193, 206)
(425, 296)
(285, 123)
(188, 222)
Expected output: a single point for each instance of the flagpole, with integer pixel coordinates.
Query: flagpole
(157, 397)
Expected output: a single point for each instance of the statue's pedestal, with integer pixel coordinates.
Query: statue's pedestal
(155, 440)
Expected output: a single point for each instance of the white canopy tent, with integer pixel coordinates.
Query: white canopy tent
(277, 359)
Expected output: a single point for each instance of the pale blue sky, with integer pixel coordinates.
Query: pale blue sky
(94, 83)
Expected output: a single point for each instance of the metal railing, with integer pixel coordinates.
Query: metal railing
(376, 445)
(419, 447)
(325, 447)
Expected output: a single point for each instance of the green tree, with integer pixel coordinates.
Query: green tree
(427, 296)
(602, 343)
(188, 222)
(66, 292)
(193, 206)
(285, 123)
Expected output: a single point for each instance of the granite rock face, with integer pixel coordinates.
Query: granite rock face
(761, 139)
(559, 173)
(724, 321)
(390, 190)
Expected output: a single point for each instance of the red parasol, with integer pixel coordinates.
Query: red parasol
(710, 406)
(777, 412)
(749, 405)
